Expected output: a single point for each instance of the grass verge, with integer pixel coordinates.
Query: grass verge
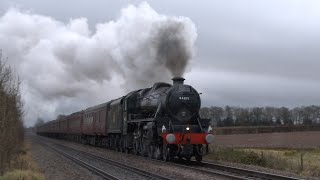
(303, 162)
(23, 167)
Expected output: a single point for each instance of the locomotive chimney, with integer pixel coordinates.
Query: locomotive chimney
(177, 80)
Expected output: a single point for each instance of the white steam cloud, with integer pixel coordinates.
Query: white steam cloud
(66, 67)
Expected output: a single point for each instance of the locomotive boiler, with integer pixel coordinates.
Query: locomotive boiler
(161, 122)
(169, 115)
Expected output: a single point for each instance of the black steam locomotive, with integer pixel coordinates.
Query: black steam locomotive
(160, 122)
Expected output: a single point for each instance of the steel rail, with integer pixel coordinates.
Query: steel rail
(224, 170)
(118, 164)
(217, 169)
(96, 170)
(247, 172)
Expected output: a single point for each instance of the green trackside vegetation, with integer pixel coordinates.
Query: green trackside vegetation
(304, 162)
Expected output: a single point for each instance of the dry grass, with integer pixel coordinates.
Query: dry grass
(280, 159)
(235, 155)
(290, 160)
(22, 175)
(312, 163)
(23, 167)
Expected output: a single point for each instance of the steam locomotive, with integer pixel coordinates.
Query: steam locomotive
(161, 122)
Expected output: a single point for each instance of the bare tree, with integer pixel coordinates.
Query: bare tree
(11, 125)
(262, 116)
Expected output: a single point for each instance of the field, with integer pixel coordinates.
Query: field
(265, 129)
(302, 162)
(297, 140)
(296, 152)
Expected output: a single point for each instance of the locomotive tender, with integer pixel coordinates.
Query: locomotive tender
(161, 122)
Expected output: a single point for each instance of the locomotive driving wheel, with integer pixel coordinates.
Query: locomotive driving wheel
(166, 153)
(151, 150)
(198, 158)
(154, 152)
(157, 152)
(199, 154)
(143, 147)
(136, 146)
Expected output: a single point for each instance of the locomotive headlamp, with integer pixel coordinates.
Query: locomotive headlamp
(163, 129)
(187, 128)
(170, 138)
(209, 129)
(209, 138)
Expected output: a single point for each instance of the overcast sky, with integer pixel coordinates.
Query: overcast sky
(247, 53)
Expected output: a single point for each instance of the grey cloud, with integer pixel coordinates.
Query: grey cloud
(223, 88)
(65, 63)
(248, 53)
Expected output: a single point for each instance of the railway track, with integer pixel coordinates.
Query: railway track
(225, 171)
(103, 174)
(63, 150)
(236, 172)
(143, 173)
(247, 172)
(210, 168)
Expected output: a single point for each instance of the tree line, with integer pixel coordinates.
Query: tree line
(261, 116)
(11, 125)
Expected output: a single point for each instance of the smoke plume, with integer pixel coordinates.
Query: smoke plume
(66, 67)
(172, 47)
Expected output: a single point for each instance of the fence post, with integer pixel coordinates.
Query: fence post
(301, 161)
